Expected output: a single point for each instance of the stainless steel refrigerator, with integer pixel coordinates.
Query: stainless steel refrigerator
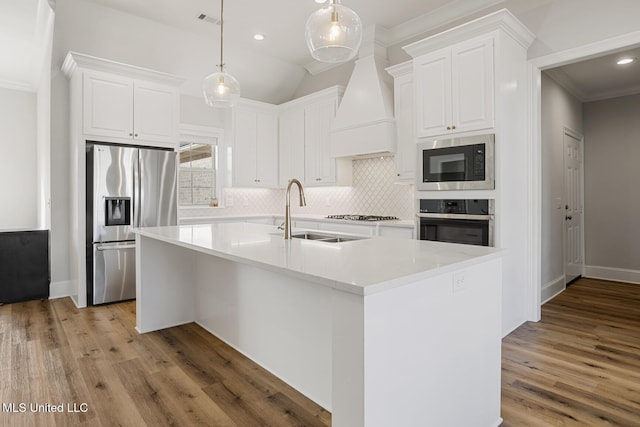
(127, 187)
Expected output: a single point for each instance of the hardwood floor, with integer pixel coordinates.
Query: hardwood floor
(579, 366)
(52, 353)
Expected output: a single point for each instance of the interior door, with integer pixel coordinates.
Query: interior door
(573, 219)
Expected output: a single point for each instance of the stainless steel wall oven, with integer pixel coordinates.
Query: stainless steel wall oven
(457, 221)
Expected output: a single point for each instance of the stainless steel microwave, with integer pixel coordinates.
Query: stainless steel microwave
(456, 164)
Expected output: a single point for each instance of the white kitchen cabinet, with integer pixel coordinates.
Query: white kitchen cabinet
(116, 106)
(454, 90)
(115, 103)
(305, 143)
(255, 152)
(405, 157)
(357, 229)
(396, 232)
(306, 225)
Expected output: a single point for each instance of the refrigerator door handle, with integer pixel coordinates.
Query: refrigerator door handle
(115, 247)
(136, 190)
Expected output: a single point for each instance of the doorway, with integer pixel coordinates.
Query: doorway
(535, 199)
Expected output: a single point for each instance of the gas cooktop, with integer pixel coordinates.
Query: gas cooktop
(363, 217)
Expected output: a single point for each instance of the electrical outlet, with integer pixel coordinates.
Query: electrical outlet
(245, 201)
(459, 281)
(228, 201)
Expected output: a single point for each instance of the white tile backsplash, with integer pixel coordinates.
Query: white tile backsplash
(373, 193)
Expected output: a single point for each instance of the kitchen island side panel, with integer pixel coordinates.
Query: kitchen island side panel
(281, 322)
(432, 351)
(165, 277)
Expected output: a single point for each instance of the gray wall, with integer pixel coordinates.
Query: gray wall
(559, 110)
(18, 187)
(612, 182)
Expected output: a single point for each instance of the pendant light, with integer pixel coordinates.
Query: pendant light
(221, 90)
(333, 33)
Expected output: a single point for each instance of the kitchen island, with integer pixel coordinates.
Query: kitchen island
(379, 331)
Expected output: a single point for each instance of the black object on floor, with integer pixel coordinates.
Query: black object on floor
(24, 265)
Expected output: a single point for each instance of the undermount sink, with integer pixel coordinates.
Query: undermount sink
(325, 237)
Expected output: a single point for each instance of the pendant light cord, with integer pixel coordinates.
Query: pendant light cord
(221, 34)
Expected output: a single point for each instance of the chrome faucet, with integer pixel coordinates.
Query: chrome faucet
(287, 209)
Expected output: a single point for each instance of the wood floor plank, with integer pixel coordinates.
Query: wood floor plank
(578, 366)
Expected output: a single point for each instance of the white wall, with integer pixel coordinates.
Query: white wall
(559, 110)
(43, 150)
(612, 176)
(18, 162)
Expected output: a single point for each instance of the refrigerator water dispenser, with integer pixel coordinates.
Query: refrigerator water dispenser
(118, 211)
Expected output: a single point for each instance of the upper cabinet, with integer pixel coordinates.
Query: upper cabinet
(403, 99)
(255, 144)
(116, 106)
(454, 89)
(124, 104)
(305, 143)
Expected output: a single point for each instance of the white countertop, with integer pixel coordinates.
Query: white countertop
(362, 267)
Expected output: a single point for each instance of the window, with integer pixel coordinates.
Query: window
(198, 157)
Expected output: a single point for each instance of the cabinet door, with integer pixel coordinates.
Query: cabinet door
(472, 85)
(267, 149)
(107, 105)
(396, 232)
(320, 167)
(433, 93)
(291, 145)
(359, 230)
(405, 158)
(156, 111)
(244, 152)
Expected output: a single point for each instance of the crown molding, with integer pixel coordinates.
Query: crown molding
(563, 79)
(17, 85)
(401, 69)
(444, 15)
(499, 20)
(73, 61)
(601, 96)
(330, 92)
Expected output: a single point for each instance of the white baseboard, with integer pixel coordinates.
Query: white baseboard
(60, 289)
(615, 274)
(552, 289)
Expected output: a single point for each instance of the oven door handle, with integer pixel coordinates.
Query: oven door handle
(456, 216)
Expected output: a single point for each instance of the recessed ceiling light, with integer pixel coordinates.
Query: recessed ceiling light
(258, 37)
(320, 1)
(625, 61)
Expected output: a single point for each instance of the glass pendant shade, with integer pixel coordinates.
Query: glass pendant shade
(221, 90)
(333, 33)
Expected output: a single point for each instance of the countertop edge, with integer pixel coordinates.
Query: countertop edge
(347, 287)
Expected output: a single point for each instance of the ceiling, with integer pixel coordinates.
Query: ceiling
(600, 78)
(283, 21)
(26, 25)
(25, 30)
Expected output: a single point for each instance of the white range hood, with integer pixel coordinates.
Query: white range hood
(364, 123)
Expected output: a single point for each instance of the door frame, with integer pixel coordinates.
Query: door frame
(567, 131)
(534, 148)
